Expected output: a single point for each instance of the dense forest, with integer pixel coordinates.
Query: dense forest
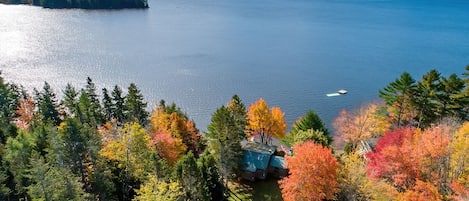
(105, 145)
(85, 4)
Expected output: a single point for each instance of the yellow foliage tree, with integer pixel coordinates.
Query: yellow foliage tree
(130, 150)
(155, 189)
(459, 164)
(265, 123)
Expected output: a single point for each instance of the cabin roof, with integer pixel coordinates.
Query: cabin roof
(278, 162)
(259, 148)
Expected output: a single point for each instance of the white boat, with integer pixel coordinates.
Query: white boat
(342, 91)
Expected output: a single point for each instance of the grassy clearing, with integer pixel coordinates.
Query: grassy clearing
(262, 190)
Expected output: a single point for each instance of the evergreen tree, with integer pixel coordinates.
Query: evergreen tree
(74, 146)
(397, 96)
(225, 143)
(190, 178)
(118, 110)
(70, 99)
(449, 103)
(425, 100)
(135, 106)
(238, 110)
(47, 105)
(86, 114)
(18, 154)
(5, 191)
(310, 125)
(9, 100)
(108, 106)
(465, 94)
(50, 183)
(95, 108)
(208, 166)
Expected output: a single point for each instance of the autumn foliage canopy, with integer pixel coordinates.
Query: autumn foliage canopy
(313, 173)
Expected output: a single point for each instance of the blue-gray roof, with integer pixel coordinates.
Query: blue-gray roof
(255, 160)
(278, 162)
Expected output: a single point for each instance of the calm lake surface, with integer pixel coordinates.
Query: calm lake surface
(199, 53)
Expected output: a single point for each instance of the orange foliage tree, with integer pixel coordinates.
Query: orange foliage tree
(313, 173)
(167, 146)
(169, 119)
(422, 191)
(265, 123)
(407, 155)
(25, 113)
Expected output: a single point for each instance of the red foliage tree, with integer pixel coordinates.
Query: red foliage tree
(313, 173)
(406, 155)
(167, 147)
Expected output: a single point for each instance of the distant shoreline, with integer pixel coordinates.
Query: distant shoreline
(82, 4)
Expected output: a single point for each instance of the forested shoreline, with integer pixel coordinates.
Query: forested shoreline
(84, 4)
(103, 144)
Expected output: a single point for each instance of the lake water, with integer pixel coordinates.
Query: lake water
(199, 53)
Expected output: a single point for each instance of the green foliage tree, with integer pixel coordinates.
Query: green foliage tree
(74, 146)
(50, 183)
(425, 99)
(449, 103)
(47, 105)
(9, 100)
(118, 109)
(70, 99)
(208, 166)
(89, 104)
(190, 178)
(464, 95)
(18, 154)
(135, 106)
(133, 158)
(397, 96)
(107, 105)
(238, 110)
(309, 127)
(9, 97)
(225, 143)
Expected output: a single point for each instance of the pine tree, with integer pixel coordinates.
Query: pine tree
(135, 106)
(310, 125)
(9, 98)
(108, 106)
(238, 110)
(208, 166)
(118, 110)
(47, 105)
(17, 154)
(449, 103)
(426, 98)
(74, 145)
(70, 99)
(95, 108)
(190, 178)
(50, 183)
(225, 143)
(397, 96)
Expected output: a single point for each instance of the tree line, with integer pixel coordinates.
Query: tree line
(85, 4)
(107, 146)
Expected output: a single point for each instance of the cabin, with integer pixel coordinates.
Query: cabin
(259, 160)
